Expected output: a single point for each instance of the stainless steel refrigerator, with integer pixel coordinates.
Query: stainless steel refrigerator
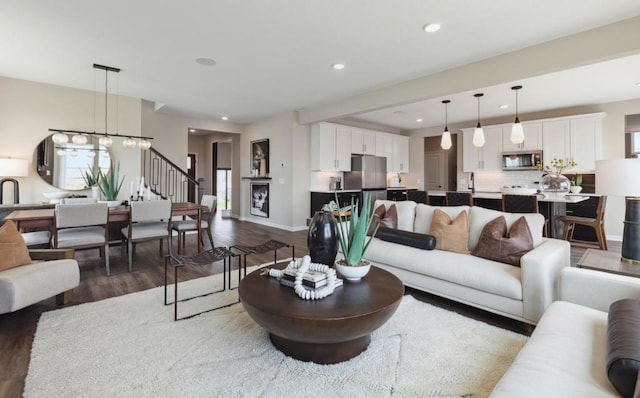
(369, 174)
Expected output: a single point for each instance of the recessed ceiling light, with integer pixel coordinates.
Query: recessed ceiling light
(224, 118)
(638, 84)
(205, 61)
(504, 106)
(432, 27)
(338, 66)
(398, 112)
(419, 120)
(192, 131)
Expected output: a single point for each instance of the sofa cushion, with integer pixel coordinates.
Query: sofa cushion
(13, 249)
(406, 238)
(494, 245)
(623, 345)
(476, 273)
(424, 215)
(406, 212)
(479, 217)
(451, 235)
(387, 218)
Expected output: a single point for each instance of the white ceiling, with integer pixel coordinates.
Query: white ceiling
(275, 56)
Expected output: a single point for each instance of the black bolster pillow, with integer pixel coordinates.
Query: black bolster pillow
(413, 239)
(623, 345)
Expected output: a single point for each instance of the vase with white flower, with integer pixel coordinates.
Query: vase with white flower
(554, 183)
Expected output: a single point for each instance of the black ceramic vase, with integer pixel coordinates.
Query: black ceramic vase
(322, 238)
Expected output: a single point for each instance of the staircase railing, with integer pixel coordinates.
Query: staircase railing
(166, 179)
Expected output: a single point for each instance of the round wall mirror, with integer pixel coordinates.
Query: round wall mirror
(63, 165)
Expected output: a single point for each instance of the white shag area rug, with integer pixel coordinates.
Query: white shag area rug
(129, 346)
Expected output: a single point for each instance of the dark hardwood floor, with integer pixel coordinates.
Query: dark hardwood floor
(17, 329)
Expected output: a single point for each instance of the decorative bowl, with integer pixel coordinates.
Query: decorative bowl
(353, 274)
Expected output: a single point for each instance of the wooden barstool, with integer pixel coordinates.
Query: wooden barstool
(418, 196)
(596, 223)
(453, 198)
(523, 204)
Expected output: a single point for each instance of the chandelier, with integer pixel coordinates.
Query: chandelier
(106, 139)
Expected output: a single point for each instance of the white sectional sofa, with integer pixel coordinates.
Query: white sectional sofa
(566, 354)
(521, 293)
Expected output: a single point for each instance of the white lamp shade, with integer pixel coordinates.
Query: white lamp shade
(517, 133)
(14, 168)
(445, 141)
(478, 137)
(618, 177)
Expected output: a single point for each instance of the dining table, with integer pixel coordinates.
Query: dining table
(44, 218)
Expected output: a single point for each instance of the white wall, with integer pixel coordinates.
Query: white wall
(29, 109)
(288, 168)
(613, 127)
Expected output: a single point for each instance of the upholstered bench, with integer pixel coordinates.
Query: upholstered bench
(52, 273)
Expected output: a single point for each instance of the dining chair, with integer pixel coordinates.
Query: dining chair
(37, 239)
(148, 220)
(596, 223)
(82, 226)
(77, 201)
(418, 196)
(523, 204)
(453, 198)
(182, 226)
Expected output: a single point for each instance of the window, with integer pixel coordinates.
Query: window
(223, 189)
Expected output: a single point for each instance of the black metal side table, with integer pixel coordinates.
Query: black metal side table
(202, 258)
(263, 248)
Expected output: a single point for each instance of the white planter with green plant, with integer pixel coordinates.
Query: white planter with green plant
(353, 240)
(110, 184)
(91, 178)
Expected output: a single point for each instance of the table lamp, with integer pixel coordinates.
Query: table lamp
(621, 177)
(12, 168)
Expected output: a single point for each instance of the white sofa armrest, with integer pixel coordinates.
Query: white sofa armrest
(596, 289)
(541, 276)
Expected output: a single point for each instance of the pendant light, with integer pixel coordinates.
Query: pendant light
(445, 142)
(478, 134)
(517, 133)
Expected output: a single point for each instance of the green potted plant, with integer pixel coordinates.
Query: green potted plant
(353, 240)
(576, 183)
(91, 177)
(110, 184)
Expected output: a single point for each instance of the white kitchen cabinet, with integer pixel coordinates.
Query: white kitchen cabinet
(532, 138)
(576, 139)
(330, 147)
(488, 157)
(399, 155)
(395, 148)
(384, 146)
(363, 141)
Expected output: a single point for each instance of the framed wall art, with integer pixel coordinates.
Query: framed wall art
(260, 199)
(260, 158)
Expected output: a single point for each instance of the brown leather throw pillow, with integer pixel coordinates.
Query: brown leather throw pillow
(498, 245)
(387, 218)
(13, 250)
(451, 235)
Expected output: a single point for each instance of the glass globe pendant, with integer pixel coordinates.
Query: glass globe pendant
(60, 138)
(129, 143)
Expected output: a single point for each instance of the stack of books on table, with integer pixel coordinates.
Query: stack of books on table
(310, 279)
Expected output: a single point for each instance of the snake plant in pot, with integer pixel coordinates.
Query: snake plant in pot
(110, 184)
(353, 240)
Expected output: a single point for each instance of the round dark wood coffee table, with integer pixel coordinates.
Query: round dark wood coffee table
(331, 330)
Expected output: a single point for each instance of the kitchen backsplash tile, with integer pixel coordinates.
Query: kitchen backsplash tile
(493, 181)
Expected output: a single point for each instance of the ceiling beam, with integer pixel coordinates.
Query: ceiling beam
(597, 45)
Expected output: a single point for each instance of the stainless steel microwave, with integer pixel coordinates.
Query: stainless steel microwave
(521, 160)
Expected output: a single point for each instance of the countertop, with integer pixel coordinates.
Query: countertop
(570, 198)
